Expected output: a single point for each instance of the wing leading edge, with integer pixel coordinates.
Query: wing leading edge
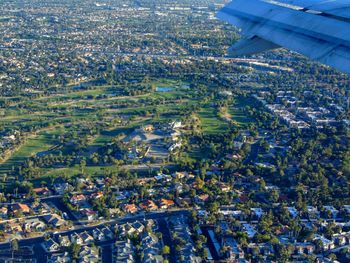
(297, 25)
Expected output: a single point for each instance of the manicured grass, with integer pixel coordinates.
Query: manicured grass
(106, 136)
(168, 82)
(79, 106)
(199, 154)
(43, 141)
(79, 94)
(237, 113)
(211, 123)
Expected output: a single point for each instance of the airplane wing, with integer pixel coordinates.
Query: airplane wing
(318, 29)
(249, 46)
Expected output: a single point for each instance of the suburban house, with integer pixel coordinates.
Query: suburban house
(51, 246)
(166, 203)
(54, 220)
(20, 208)
(130, 208)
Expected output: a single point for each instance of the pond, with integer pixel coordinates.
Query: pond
(164, 89)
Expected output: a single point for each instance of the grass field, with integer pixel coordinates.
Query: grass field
(43, 141)
(74, 107)
(237, 113)
(106, 136)
(211, 123)
(98, 104)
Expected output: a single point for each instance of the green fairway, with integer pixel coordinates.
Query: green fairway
(211, 123)
(237, 110)
(43, 141)
(73, 107)
(106, 136)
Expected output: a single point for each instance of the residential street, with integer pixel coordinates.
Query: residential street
(40, 255)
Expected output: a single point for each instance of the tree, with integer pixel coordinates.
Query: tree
(319, 245)
(295, 227)
(82, 165)
(274, 195)
(200, 183)
(166, 250)
(332, 257)
(266, 223)
(14, 246)
(213, 207)
(284, 253)
(74, 250)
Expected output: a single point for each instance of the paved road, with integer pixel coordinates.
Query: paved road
(107, 256)
(190, 56)
(57, 201)
(40, 255)
(210, 244)
(163, 227)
